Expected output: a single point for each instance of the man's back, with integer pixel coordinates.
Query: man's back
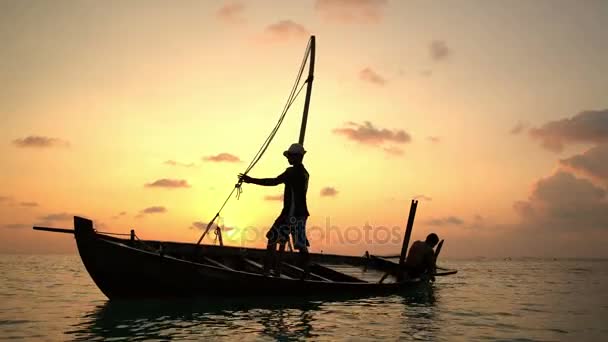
(420, 258)
(294, 196)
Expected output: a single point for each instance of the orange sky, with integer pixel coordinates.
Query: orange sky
(494, 114)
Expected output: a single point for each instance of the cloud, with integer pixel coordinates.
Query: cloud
(36, 141)
(176, 163)
(592, 163)
(564, 203)
(154, 210)
(28, 204)
(439, 50)
(370, 76)
(58, 217)
(444, 221)
(273, 198)
(396, 151)
(4, 199)
(351, 11)
(122, 213)
(285, 30)
(231, 12)
(16, 226)
(223, 157)
(168, 183)
(367, 134)
(423, 197)
(329, 191)
(202, 226)
(585, 127)
(426, 73)
(434, 140)
(518, 128)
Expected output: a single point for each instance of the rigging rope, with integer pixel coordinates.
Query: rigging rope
(290, 100)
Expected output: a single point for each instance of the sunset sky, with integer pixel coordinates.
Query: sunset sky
(140, 114)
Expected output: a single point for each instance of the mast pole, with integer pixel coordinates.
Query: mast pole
(311, 71)
(408, 232)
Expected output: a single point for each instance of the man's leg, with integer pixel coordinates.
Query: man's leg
(305, 261)
(271, 248)
(279, 259)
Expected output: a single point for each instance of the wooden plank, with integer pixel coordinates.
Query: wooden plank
(216, 263)
(260, 267)
(334, 275)
(55, 230)
(310, 274)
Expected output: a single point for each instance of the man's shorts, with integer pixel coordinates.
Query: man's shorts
(284, 226)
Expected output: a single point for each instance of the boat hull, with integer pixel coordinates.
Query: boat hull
(122, 271)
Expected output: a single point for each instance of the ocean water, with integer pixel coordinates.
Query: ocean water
(52, 298)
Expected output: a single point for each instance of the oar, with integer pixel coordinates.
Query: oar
(55, 230)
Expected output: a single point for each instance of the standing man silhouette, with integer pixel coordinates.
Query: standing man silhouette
(292, 219)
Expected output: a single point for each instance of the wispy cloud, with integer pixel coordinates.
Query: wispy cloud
(284, 30)
(423, 197)
(426, 73)
(351, 11)
(223, 158)
(273, 198)
(56, 217)
(152, 210)
(434, 140)
(585, 127)
(37, 141)
(371, 76)
(519, 127)
(439, 50)
(5, 199)
(367, 134)
(168, 183)
(329, 191)
(393, 150)
(122, 213)
(16, 226)
(199, 225)
(176, 163)
(444, 221)
(231, 12)
(28, 204)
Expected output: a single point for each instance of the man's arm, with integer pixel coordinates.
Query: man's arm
(430, 264)
(264, 181)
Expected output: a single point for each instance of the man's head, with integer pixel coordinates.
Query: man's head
(432, 239)
(295, 154)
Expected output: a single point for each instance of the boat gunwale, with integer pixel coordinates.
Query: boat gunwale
(257, 275)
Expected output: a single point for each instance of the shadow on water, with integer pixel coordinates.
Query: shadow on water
(270, 317)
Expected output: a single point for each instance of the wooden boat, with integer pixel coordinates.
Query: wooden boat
(127, 268)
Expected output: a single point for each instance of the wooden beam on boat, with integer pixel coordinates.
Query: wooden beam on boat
(260, 268)
(334, 275)
(216, 263)
(383, 264)
(55, 230)
(408, 232)
(438, 249)
(300, 272)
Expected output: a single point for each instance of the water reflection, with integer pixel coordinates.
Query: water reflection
(267, 318)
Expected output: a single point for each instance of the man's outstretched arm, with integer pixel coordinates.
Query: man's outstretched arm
(263, 181)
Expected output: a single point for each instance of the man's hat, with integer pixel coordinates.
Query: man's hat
(295, 149)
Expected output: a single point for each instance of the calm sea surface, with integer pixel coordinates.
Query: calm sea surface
(51, 297)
